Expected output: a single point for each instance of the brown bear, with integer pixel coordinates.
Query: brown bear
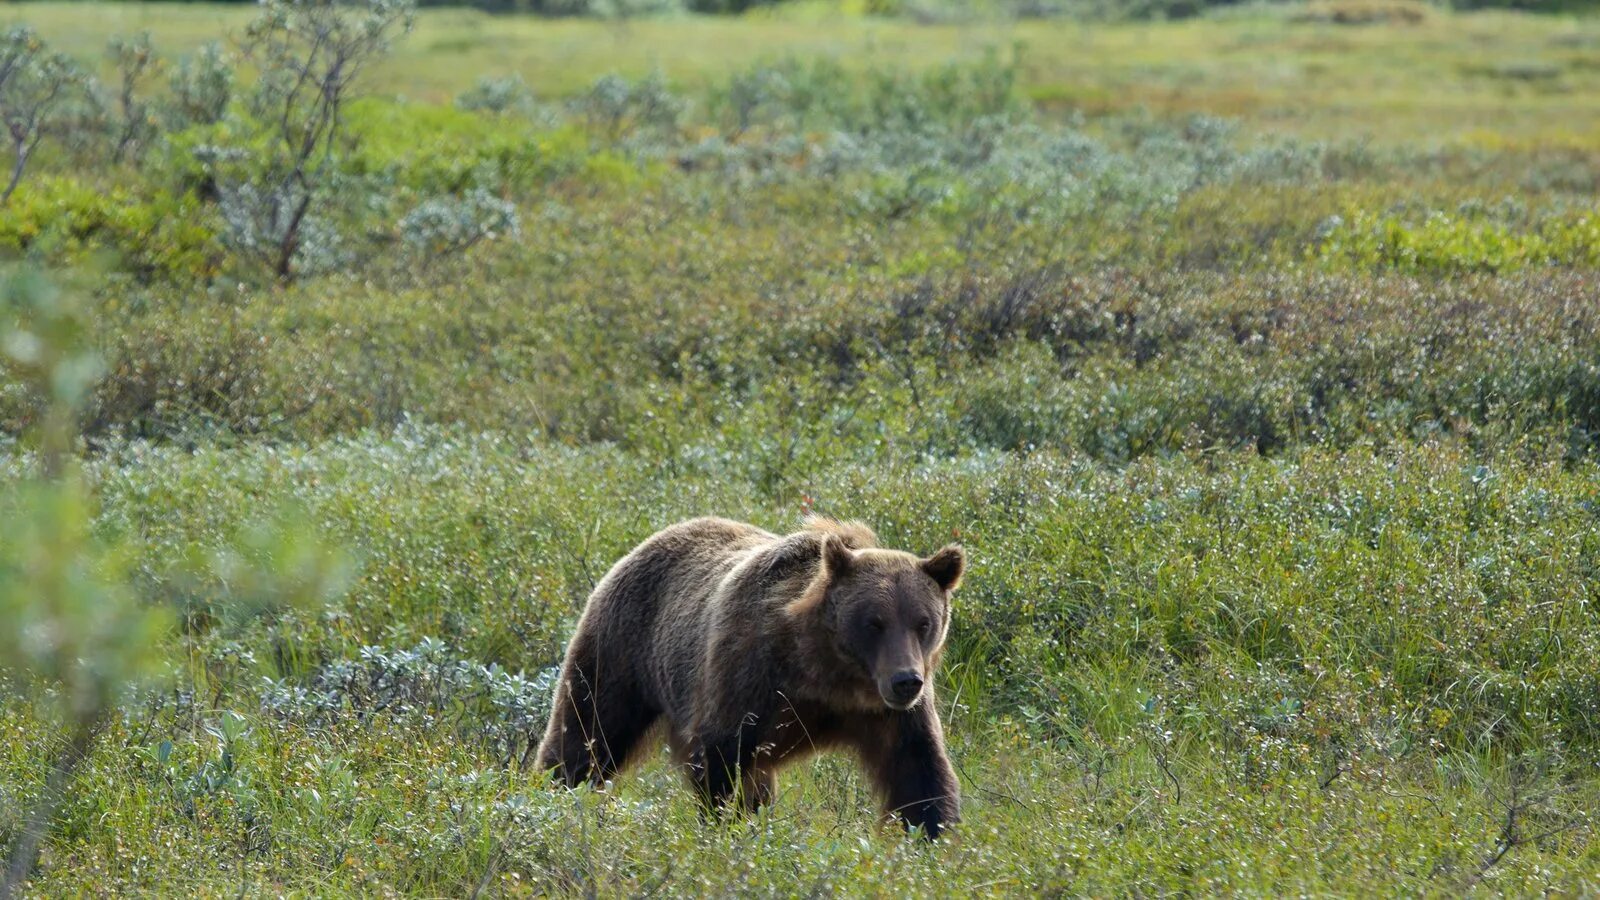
(755, 650)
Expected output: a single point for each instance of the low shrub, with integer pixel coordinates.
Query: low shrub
(1366, 12)
(157, 237)
(450, 225)
(1468, 243)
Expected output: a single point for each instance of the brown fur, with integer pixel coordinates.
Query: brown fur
(755, 650)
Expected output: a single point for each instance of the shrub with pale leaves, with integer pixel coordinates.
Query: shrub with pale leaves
(448, 225)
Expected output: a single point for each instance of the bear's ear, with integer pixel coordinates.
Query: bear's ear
(837, 559)
(946, 566)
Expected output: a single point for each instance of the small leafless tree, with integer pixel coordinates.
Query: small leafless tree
(134, 124)
(309, 54)
(35, 84)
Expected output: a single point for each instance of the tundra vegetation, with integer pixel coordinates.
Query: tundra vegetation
(1255, 360)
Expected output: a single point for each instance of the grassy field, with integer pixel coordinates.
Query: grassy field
(1475, 78)
(1256, 363)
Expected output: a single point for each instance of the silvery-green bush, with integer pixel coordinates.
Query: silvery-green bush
(447, 225)
(428, 684)
(201, 86)
(508, 94)
(618, 108)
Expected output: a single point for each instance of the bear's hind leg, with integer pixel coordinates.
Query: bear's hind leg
(596, 723)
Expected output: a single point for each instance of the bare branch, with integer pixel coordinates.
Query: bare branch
(309, 53)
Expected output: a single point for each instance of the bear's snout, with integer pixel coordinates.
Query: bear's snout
(904, 688)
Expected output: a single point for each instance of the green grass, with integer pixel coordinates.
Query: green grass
(1453, 77)
(1319, 682)
(1415, 580)
(1273, 435)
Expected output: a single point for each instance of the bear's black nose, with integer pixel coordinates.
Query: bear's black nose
(906, 685)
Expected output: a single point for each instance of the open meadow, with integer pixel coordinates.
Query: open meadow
(1254, 359)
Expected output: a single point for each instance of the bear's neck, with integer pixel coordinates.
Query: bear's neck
(814, 669)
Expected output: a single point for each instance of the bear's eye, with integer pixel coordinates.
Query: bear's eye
(923, 626)
(875, 624)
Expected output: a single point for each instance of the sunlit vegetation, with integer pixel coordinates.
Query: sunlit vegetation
(1255, 359)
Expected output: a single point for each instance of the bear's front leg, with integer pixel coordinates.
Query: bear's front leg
(913, 772)
(720, 763)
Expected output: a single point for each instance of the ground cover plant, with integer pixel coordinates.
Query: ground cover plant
(1254, 359)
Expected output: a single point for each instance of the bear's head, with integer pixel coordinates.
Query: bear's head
(885, 614)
